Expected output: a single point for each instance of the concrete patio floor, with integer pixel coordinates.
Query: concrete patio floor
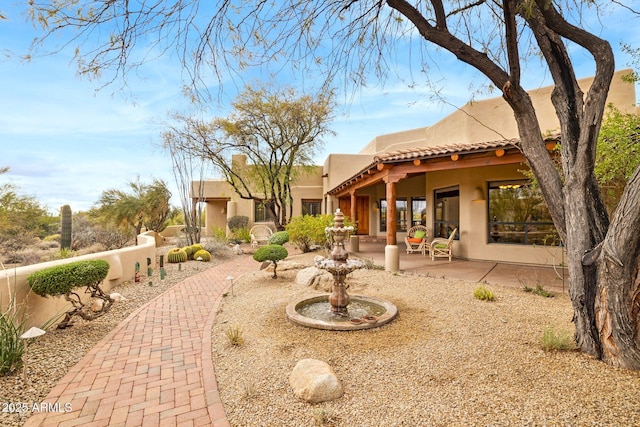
(516, 275)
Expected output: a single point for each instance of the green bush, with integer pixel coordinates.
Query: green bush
(219, 234)
(202, 255)
(308, 231)
(557, 340)
(538, 290)
(237, 222)
(60, 280)
(272, 253)
(483, 294)
(11, 345)
(241, 235)
(279, 238)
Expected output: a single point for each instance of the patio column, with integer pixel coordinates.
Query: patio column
(391, 254)
(353, 208)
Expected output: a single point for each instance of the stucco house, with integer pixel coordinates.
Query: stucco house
(464, 172)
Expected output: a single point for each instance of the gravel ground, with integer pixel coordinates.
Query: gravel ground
(51, 355)
(448, 359)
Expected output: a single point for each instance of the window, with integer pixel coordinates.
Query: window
(518, 215)
(311, 207)
(418, 211)
(447, 212)
(260, 213)
(401, 214)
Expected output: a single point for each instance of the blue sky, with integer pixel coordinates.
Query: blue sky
(66, 143)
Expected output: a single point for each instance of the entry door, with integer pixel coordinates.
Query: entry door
(362, 212)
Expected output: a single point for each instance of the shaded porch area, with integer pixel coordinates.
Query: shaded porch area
(490, 272)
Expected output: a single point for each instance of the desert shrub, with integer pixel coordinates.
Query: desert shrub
(538, 290)
(202, 255)
(272, 253)
(219, 234)
(483, 294)
(309, 230)
(279, 238)
(217, 248)
(237, 222)
(11, 345)
(30, 258)
(556, 340)
(234, 335)
(61, 279)
(240, 235)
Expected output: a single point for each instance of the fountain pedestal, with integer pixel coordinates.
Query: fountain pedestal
(366, 312)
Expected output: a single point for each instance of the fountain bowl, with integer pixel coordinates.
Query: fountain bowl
(372, 312)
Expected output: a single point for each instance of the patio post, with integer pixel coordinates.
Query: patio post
(391, 254)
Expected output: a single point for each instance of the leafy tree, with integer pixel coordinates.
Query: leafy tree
(278, 132)
(146, 205)
(22, 218)
(271, 253)
(618, 153)
(493, 37)
(189, 173)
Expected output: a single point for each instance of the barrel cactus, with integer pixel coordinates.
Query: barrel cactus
(195, 248)
(202, 255)
(189, 251)
(177, 255)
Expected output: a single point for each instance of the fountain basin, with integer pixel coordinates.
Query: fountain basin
(363, 312)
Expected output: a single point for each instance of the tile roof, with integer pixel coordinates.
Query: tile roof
(444, 150)
(435, 152)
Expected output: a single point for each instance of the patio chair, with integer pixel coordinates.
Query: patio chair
(440, 247)
(260, 235)
(416, 239)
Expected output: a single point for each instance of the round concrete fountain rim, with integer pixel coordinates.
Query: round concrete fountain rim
(295, 317)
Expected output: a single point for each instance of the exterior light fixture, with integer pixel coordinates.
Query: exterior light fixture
(31, 333)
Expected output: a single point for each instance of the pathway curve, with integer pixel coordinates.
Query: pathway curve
(155, 368)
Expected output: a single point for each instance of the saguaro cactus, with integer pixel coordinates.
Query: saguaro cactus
(65, 227)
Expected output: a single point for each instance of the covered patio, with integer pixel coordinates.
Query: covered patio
(490, 272)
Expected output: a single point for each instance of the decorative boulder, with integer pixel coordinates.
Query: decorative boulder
(315, 278)
(314, 381)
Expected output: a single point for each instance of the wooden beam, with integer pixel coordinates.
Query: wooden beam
(500, 152)
(455, 157)
(417, 162)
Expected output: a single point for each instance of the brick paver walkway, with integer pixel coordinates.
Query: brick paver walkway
(155, 368)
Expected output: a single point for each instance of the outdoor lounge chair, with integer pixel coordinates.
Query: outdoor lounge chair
(440, 247)
(416, 239)
(260, 235)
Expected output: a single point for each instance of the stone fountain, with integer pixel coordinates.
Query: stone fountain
(338, 310)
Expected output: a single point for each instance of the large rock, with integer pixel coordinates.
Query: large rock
(286, 265)
(314, 381)
(315, 278)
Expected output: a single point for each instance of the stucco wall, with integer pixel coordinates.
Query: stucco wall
(492, 119)
(473, 243)
(40, 310)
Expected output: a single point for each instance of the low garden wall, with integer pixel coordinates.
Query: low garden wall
(39, 310)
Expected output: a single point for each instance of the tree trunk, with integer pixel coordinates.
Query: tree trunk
(617, 303)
